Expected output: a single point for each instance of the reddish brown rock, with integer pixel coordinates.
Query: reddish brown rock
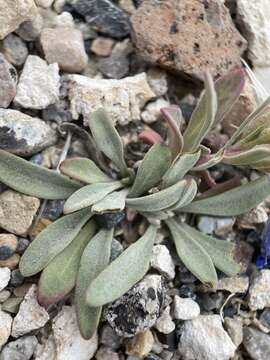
(187, 36)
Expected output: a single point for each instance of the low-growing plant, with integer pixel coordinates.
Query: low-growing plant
(74, 252)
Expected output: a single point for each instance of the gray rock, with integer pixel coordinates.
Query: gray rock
(16, 278)
(13, 13)
(30, 30)
(31, 315)
(237, 284)
(8, 82)
(21, 349)
(162, 261)
(102, 46)
(6, 322)
(265, 318)
(64, 46)
(114, 67)
(109, 338)
(23, 135)
(105, 353)
(17, 211)
(4, 277)
(14, 49)
(138, 309)
(205, 339)
(235, 330)
(38, 85)
(259, 291)
(257, 344)
(123, 99)
(104, 16)
(58, 112)
(185, 308)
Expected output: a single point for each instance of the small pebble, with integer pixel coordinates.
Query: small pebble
(162, 261)
(11, 262)
(5, 321)
(109, 338)
(4, 295)
(4, 277)
(102, 46)
(116, 249)
(8, 82)
(105, 353)
(185, 308)
(8, 245)
(164, 323)
(23, 244)
(21, 349)
(12, 304)
(235, 330)
(14, 49)
(16, 278)
(30, 30)
(141, 344)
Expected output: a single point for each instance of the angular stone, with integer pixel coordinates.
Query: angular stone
(187, 36)
(123, 99)
(185, 308)
(31, 315)
(162, 261)
(4, 277)
(64, 46)
(236, 284)
(254, 19)
(21, 349)
(65, 342)
(164, 324)
(13, 13)
(152, 110)
(102, 46)
(17, 211)
(138, 309)
(257, 344)
(109, 337)
(8, 245)
(8, 82)
(104, 16)
(5, 328)
(255, 216)
(38, 85)
(141, 344)
(157, 79)
(259, 291)
(23, 135)
(14, 49)
(235, 330)
(30, 30)
(205, 339)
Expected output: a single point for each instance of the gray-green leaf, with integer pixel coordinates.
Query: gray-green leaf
(84, 170)
(233, 202)
(59, 276)
(34, 180)
(203, 117)
(188, 196)
(89, 195)
(113, 202)
(180, 167)
(154, 165)
(160, 200)
(107, 139)
(51, 241)
(220, 251)
(193, 255)
(95, 258)
(124, 272)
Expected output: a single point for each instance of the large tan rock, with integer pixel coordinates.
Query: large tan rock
(187, 36)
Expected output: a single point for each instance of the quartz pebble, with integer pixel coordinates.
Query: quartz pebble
(8, 245)
(14, 49)
(4, 277)
(65, 47)
(185, 308)
(259, 291)
(13, 13)
(256, 343)
(21, 349)
(38, 85)
(162, 261)
(234, 284)
(8, 82)
(164, 323)
(17, 211)
(152, 112)
(123, 99)
(23, 135)
(204, 338)
(141, 344)
(5, 330)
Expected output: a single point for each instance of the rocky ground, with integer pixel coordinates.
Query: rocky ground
(62, 59)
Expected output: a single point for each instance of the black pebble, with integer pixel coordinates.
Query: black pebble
(5, 252)
(109, 220)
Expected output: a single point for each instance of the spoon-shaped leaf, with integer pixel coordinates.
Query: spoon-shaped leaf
(203, 117)
(192, 254)
(124, 272)
(111, 203)
(59, 276)
(34, 180)
(220, 251)
(160, 200)
(180, 167)
(95, 258)
(84, 170)
(107, 139)
(154, 165)
(51, 241)
(89, 195)
(233, 202)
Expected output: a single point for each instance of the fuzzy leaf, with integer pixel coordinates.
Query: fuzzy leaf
(233, 202)
(51, 241)
(193, 255)
(203, 117)
(220, 251)
(84, 170)
(154, 165)
(34, 180)
(95, 258)
(249, 157)
(59, 276)
(160, 200)
(188, 196)
(208, 161)
(113, 202)
(179, 168)
(107, 139)
(228, 89)
(124, 272)
(89, 195)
